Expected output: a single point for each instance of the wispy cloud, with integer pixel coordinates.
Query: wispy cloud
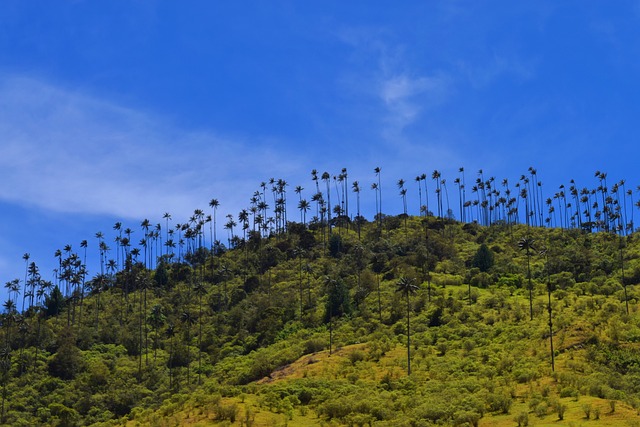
(67, 151)
(382, 70)
(498, 65)
(403, 97)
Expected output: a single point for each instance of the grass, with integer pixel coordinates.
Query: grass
(379, 359)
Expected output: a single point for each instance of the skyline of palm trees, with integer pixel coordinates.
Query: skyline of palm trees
(602, 208)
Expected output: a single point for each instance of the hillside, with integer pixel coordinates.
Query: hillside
(311, 326)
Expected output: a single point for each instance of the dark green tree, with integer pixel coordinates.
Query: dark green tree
(483, 259)
(54, 302)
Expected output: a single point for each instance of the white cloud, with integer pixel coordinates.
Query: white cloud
(66, 151)
(384, 72)
(497, 66)
(401, 95)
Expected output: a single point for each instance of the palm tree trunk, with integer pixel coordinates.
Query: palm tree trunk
(408, 336)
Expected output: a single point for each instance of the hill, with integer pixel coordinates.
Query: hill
(404, 321)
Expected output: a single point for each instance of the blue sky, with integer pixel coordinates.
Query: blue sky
(119, 111)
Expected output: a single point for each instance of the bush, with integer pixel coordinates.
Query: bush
(561, 409)
(499, 402)
(482, 280)
(541, 410)
(224, 412)
(586, 408)
(522, 419)
(314, 345)
(356, 356)
(466, 418)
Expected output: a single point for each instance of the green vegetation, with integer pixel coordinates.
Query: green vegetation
(402, 321)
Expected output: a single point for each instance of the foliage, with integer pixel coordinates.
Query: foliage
(233, 335)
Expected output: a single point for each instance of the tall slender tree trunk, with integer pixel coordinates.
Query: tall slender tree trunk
(408, 336)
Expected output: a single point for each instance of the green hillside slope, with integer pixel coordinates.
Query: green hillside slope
(312, 326)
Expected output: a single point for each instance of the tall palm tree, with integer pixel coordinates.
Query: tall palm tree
(304, 207)
(298, 191)
(461, 185)
(5, 367)
(407, 287)
(436, 177)
(25, 257)
(83, 274)
(326, 177)
(229, 226)
(621, 245)
(331, 285)
(171, 333)
(224, 272)
(13, 286)
(167, 217)
(156, 320)
(545, 253)
(200, 291)
(345, 192)
(403, 194)
(213, 203)
(356, 189)
(188, 320)
(418, 180)
(299, 252)
(318, 194)
(375, 188)
(377, 171)
(527, 245)
(118, 227)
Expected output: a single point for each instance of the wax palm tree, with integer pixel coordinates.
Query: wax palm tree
(356, 189)
(156, 319)
(377, 171)
(33, 282)
(443, 186)
(5, 367)
(229, 226)
(304, 207)
(25, 257)
(298, 191)
(171, 333)
(621, 245)
(345, 180)
(9, 318)
(200, 291)
(83, 274)
(527, 245)
(224, 272)
(318, 193)
(13, 286)
(418, 181)
(544, 252)
(188, 320)
(326, 177)
(407, 287)
(299, 252)
(436, 177)
(213, 203)
(331, 284)
(167, 218)
(462, 186)
(403, 194)
(375, 188)
(118, 227)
